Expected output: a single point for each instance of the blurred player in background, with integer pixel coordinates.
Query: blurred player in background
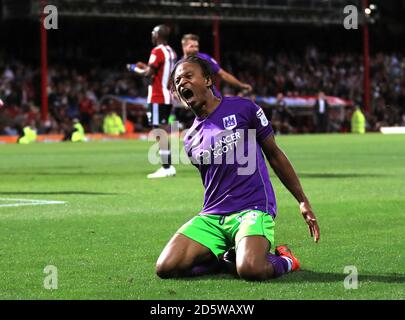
(239, 208)
(159, 67)
(191, 47)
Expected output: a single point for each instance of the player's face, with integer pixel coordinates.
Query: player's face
(154, 36)
(191, 85)
(191, 48)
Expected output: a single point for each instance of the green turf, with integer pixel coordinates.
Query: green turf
(106, 238)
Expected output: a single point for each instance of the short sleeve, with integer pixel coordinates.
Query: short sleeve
(214, 65)
(156, 58)
(259, 122)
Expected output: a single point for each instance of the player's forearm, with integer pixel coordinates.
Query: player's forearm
(231, 80)
(287, 175)
(144, 72)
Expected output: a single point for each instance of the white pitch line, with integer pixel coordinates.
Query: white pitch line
(25, 200)
(28, 202)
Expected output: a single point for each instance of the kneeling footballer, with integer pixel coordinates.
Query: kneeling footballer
(236, 225)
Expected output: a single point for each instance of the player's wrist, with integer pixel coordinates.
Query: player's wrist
(304, 202)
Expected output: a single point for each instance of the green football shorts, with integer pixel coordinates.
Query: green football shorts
(219, 233)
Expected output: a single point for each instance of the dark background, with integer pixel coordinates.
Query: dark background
(113, 41)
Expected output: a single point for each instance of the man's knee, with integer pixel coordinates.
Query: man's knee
(171, 269)
(254, 270)
(165, 270)
(178, 257)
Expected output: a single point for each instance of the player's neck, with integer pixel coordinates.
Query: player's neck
(211, 103)
(160, 42)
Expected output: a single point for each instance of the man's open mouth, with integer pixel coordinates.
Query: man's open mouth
(187, 93)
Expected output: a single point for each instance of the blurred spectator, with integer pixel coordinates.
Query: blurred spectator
(281, 118)
(113, 124)
(76, 132)
(321, 112)
(28, 135)
(358, 121)
(86, 107)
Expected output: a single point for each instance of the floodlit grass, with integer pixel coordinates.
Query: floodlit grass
(105, 240)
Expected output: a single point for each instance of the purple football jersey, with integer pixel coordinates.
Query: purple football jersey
(225, 149)
(215, 67)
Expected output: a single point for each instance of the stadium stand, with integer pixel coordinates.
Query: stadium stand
(77, 94)
(87, 76)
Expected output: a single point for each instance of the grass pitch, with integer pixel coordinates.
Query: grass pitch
(106, 238)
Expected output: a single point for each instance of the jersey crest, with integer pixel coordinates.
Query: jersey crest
(230, 122)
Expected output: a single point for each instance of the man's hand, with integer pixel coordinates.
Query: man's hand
(136, 66)
(247, 87)
(141, 65)
(310, 219)
(139, 68)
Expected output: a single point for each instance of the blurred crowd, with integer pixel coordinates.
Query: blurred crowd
(77, 94)
(339, 75)
(72, 94)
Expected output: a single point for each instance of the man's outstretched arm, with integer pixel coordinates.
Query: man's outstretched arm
(226, 76)
(286, 173)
